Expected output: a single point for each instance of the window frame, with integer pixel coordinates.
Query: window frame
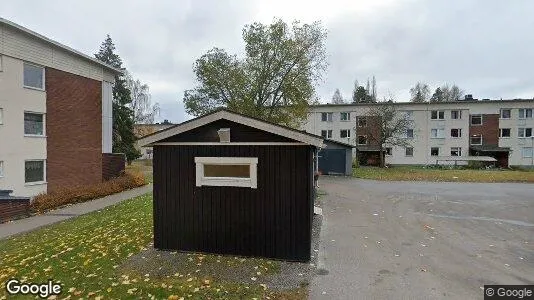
(476, 136)
(347, 114)
(471, 120)
(44, 172)
(458, 149)
(437, 133)
(344, 130)
(329, 117)
(251, 182)
(459, 133)
(362, 120)
(459, 114)
(525, 114)
(410, 136)
(524, 136)
(43, 121)
(388, 151)
(440, 115)
(358, 139)
(531, 149)
(328, 134)
(43, 77)
(509, 133)
(433, 148)
(509, 110)
(408, 114)
(406, 151)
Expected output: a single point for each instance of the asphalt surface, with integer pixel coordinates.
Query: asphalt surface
(420, 240)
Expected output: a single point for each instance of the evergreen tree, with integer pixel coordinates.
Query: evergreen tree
(437, 96)
(123, 123)
(355, 92)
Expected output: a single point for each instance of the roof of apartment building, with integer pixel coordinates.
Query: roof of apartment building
(471, 101)
(57, 44)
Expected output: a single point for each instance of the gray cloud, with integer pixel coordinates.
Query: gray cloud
(483, 46)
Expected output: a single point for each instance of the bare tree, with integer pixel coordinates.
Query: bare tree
(388, 126)
(141, 105)
(420, 92)
(337, 98)
(451, 93)
(373, 89)
(355, 92)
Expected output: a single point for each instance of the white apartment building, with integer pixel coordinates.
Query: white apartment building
(450, 132)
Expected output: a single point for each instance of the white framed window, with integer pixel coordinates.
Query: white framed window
(344, 133)
(362, 122)
(409, 133)
(34, 77)
(506, 113)
(437, 115)
(456, 151)
(505, 132)
(437, 133)
(456, 114)
(327, 134)
(524, 132)
(408, 115)
(476, 139)
(525, 113)
(34, 124)
(476, 119)
(388, 151)
(362, 140)
(408, 151)
(34, 171)
(227, 171)
(344, 116)
(527, 152)
(434, 151)
(326, 117)
(1, 168)
(1, 116)
(456, 132)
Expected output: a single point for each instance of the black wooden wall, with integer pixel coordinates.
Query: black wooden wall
(271, 221)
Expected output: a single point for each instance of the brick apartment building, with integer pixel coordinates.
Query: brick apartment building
(444, 133)
(55, 114)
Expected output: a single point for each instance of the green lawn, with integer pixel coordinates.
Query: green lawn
(87, 253)
(411, 173)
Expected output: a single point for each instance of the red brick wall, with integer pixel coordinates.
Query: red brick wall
(13, 209)
(489, 129)
(113, 165)
(73, 129)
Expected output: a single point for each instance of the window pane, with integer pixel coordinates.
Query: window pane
(409, 151)
(33, 76)
(34, 171)
(434, 151)
(529, 113)
(476, 120)
(33, 124)
(240, 171)
(527, 152)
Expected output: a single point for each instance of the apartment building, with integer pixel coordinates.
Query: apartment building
(141, 130)
(443, 133)
(55, 114)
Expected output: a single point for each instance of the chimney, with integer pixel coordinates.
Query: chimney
(468, 97)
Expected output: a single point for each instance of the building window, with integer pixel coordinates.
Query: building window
(344, 133)
(456, 114)
(327, 134)
(525, 113)
(1, 168)
(456, 132)
(227, 171)
(437, 115)
(434, 151)
(326, 117)
(437, 133)
(409, 133)
(34, 76)
(408, 114)
(527, 152)
(456, 151)
(362, 140)
(505, 132)
(362, 122)
(476, 120)
(33, 124)
(524, 132)
(344, 116)
(388, 151)
(476, 139)
(1, 116)
(506, 113)
(409, 151)
(34, 171)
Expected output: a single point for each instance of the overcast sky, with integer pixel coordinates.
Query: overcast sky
(483, 46)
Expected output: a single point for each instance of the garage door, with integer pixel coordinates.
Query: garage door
(332, 161)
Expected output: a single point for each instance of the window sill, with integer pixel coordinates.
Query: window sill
(504, 137)
(35, 183)
(456, 137)
(475, 124)
(437, 138)
(35, 136)
(33, 88)
(437, 119)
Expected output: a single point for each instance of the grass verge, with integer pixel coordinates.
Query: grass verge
(87, 254)
(411, 173)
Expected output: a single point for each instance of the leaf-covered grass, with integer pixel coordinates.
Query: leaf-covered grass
(86, 255)
(410, 173)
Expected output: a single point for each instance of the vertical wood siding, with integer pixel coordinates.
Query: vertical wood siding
(271, 221)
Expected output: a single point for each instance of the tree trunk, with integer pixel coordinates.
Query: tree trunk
(382, 160)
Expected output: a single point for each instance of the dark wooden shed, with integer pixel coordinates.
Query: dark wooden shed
(229, 184)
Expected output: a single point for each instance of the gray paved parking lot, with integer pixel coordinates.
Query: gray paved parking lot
(419, 240)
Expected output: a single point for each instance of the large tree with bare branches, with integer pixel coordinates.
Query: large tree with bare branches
(389, 126)
(276, 79)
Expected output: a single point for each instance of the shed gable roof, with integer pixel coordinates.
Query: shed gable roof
(287, 132)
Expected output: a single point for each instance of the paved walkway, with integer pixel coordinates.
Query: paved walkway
(31, 223)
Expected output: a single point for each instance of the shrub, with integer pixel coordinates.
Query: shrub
(355, 163)
(128, 180)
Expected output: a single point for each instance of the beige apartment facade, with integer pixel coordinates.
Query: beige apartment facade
(442, 133)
